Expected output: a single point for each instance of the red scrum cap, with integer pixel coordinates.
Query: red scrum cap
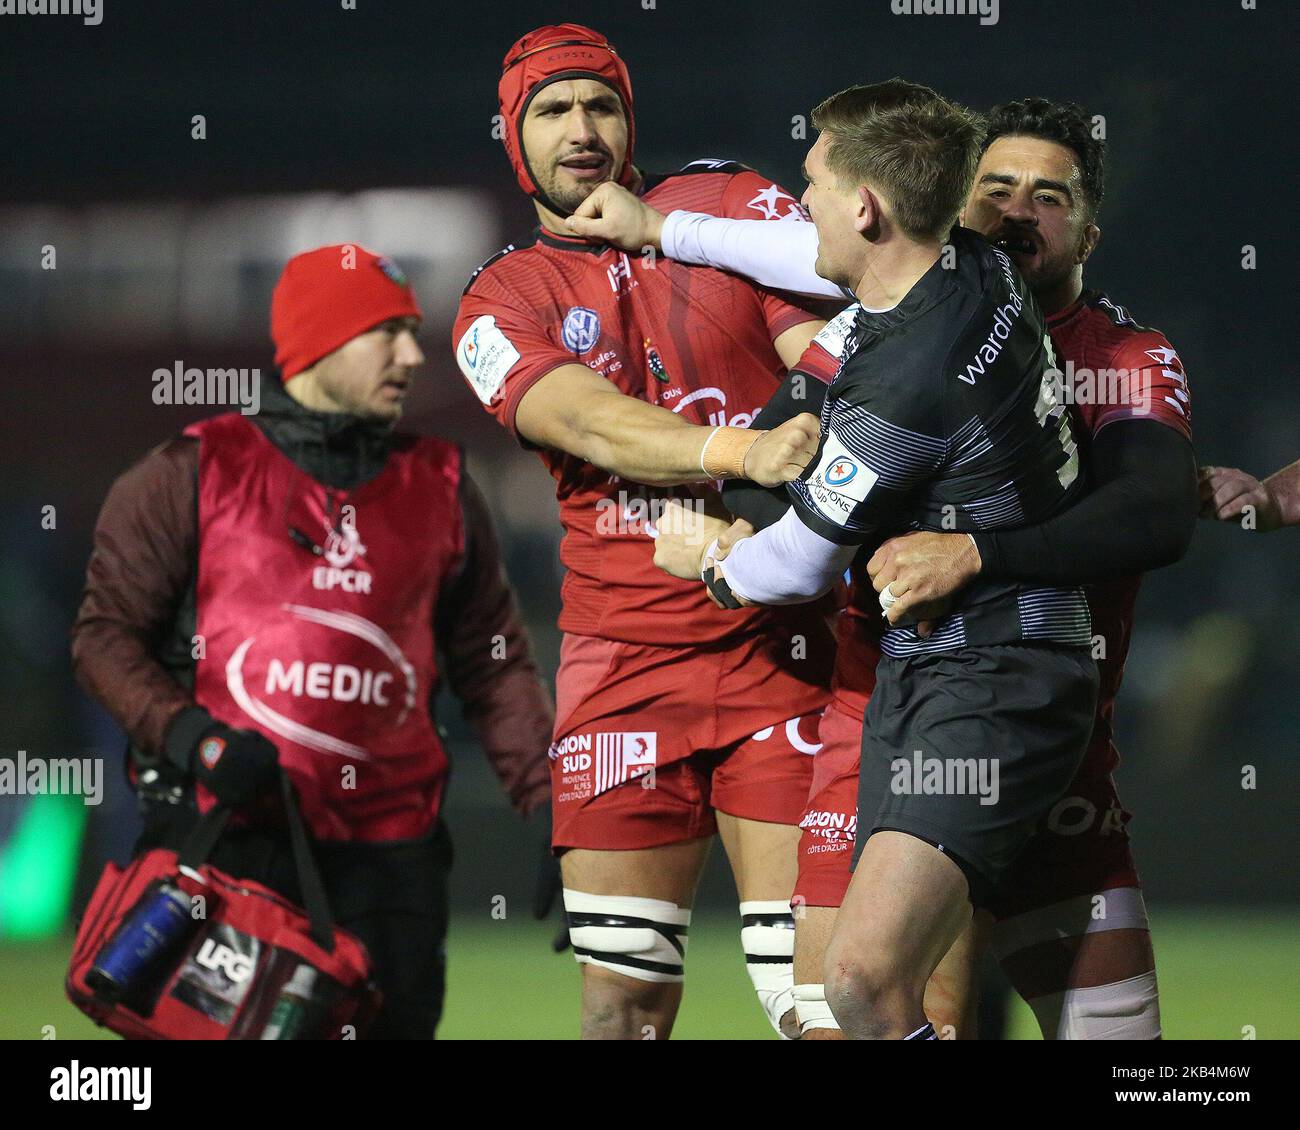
(551, 54)
(328, 296)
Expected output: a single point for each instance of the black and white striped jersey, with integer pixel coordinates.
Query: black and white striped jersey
(944, 416)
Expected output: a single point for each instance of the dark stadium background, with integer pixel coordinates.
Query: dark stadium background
(305, 98)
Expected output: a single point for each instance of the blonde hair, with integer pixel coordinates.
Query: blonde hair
(918, 148)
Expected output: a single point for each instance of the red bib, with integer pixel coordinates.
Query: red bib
(331, 655)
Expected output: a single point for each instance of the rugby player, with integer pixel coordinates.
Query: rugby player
(1226, 492)
(1071, 929)
(674, 719)
(943, 415)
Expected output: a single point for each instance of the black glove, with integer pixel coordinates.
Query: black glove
(549, 887)
(236, 766)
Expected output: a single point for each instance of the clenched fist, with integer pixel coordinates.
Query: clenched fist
(613, 215)
(683, 533)
(780, 456)
(924, 571)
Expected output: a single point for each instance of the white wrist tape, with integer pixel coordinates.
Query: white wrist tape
(709, 558)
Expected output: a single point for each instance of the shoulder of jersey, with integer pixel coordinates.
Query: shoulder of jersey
(975, 251)
(835, 333)
(1117, 315)
(1128, 339)
(712, 165)
(704, 166)
(496, 257)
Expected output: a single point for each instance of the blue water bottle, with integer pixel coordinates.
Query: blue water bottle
(159, 925)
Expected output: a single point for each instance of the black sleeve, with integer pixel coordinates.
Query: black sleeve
(1139, 514)
(762, 506)
(883, 436)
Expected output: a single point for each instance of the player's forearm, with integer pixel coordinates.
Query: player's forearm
(781, 255)
(785, 564)
(1284, 486)
(759, 506)
(1140, 515)
(576, 411)
(638, 441)
(572, 409)
(763, 506)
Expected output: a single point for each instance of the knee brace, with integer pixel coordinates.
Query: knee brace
(1124, 1010)
(640, 938)
(767, 935)
(811, 1008)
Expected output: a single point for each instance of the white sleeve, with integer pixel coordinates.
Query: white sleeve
(786, 563)
(779, 254)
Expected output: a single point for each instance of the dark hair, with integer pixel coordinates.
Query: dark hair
(917, 146)
(1065, 123)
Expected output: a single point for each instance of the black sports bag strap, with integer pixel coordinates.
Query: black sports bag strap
(202, 838)
(309, 879)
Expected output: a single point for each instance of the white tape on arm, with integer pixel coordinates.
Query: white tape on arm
(781, 254)
(710, 556)
(787, 563)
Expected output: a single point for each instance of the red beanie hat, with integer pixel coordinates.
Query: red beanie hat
(328, 296)
(549, 55)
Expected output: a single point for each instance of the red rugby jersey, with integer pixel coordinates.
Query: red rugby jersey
(693, 340)
(1117, 370)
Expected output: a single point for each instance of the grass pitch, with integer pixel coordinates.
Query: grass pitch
(1220, 974)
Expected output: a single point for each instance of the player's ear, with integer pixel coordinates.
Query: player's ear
(868, 211)
(1087, 243)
